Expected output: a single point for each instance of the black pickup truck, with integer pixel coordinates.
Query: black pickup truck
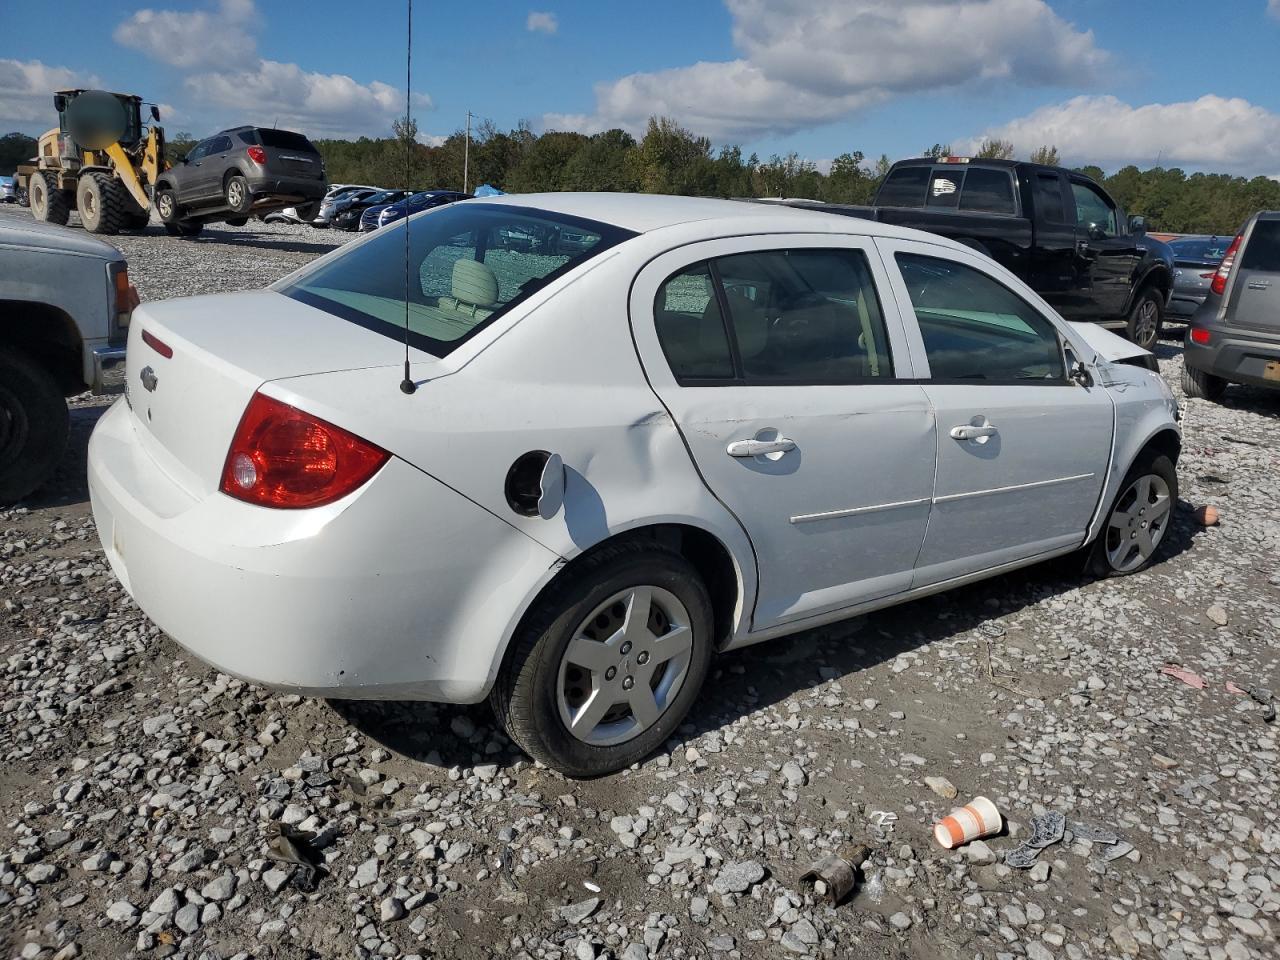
(1056, 230)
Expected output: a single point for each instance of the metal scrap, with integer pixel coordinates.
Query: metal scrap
(833, 877)
(287, 844)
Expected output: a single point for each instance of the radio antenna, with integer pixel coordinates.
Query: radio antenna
(407, 385)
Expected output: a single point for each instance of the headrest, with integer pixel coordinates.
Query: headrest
(475, 283)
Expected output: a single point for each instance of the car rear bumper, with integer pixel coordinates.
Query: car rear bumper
(1235, 355)
(308, 188)
(402, 590)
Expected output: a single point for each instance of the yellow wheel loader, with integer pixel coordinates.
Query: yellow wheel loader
(100, 161)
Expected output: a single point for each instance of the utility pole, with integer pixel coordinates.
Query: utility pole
(466, 157)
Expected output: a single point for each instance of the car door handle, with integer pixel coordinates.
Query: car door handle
(968, 431)
(760, 448)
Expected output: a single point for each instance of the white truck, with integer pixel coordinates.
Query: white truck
(65, 301)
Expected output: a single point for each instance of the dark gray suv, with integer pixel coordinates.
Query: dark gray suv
(1235, 335)
(238, 173)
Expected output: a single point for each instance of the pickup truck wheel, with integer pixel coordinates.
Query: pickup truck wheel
(48, 203)
(238, 197)
(1139, 519)
(100, 201)
(1201, 385)
(1145, 320)
(33, 425)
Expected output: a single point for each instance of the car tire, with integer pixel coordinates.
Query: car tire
(541, 687)
(34, 424)
(308, 212)
(237, 221)
(184, 228)
(1146, 320)
(1138, 521)
(100, 202)
(1200, 385)
(48, 203)
(236, 192)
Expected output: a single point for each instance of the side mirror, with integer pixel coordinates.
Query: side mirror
(1137, 224)
(1081, 375)
(59, 102)
(155, 113)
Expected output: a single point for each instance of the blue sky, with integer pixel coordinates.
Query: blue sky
(1105, 81)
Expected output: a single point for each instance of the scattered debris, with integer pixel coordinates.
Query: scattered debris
(882, 822)
(833, 877)
(1266, 699)
(576, 913)
(1080, 830)
(1046, 830)
(1189, 677)
(1187, 789)
(1207, 516)
(979, 818)
(942, 787)
(1217, 614)
(287, 844)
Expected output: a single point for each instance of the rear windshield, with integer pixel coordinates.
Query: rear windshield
(468, 264)
(904, 187)
(1262, 252)
(286, 140)
(1200, 248)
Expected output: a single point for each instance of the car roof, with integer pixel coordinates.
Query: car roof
(645, 212)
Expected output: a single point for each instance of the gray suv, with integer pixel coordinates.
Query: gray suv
(1235, 335)
(238, 173)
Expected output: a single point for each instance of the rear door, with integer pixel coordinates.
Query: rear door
(1023, 450)
(779, 358)
(1054, 272)
(1255, 290)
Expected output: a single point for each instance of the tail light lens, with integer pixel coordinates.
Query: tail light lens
(257, 154)
(283, 457)
(1199, 335)
(1224, 268)
(126, 296)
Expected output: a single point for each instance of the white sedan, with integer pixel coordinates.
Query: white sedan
(579, 443)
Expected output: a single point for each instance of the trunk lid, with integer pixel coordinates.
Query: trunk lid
(1255, 279)
(291, 154)
(186, 406)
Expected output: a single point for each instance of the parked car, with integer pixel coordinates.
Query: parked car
(1054, 228)
(331, 205)
(8, 190)
(369, 217)
(238, 173)
(1234, 337)
(1195, 261)
(700, 425)
(66, 300)
(416, 204)
(347, 215)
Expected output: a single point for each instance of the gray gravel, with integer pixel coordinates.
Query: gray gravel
(150, 806)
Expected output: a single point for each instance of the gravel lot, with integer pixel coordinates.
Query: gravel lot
(141, 792)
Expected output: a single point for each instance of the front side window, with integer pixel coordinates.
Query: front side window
(975, 328)
(469, 264)
(1093, 210)
(793, 316)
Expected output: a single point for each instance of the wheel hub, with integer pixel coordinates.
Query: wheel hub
(1138, 523)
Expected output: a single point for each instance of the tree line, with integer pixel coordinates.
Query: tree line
(671, 159)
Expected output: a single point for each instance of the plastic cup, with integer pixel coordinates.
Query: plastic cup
(977, 819)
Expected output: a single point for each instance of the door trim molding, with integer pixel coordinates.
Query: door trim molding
(855, 511)
(948, 498)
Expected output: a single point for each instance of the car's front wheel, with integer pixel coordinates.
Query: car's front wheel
(608, 662)
(1139, 520)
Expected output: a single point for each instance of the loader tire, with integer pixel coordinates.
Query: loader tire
(48, 203)
(100, 199)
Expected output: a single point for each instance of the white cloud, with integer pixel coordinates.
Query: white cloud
(541, 22)
(809, 62)
(1226, 134)
(216, 38)
(1273, 8)
(26, 93)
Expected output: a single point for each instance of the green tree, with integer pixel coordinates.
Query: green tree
(15, 148)
(671, 159)
(938, 150)
(1047, 154)
(995, 149)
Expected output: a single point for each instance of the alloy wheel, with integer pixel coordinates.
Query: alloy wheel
(235, 194)
(1147, 325)
(166, 207)
(1138, 523)
(624, 665)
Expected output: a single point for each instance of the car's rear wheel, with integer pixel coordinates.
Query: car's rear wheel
(237, 221)
(33, 425)
(236, 192)
(1201, 385)
(1145, 321)
(48, 203)
(608, 662)
(1139, 520)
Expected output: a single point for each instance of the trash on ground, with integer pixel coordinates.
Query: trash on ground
(833, 877)
(1232, 688)
(1121, 848)
(1187, 789)
(942, 787)
(287, 844)
(977, 819)
(1046, 830)
(1189, 677)
(1265, 698)
(882, 822)
(1207, 516)
(1091, 832)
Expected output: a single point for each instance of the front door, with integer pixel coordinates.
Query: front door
(776, 357)
(1023, 449)
(1107, 253)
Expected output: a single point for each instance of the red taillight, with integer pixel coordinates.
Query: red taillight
(257, 154)
(284, 457)
(156, 344)
(1199, 336)
(1224, 268)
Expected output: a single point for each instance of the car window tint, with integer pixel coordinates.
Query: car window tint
(219, 145)
(286, 140)
(247, 136)
(1049, 199)
(807, 316)
(1262, 252)
(989, 191)
(690, 326)
(975, 328)
(1092, 209)
(944, 187)
(904, 187)
(198, 151)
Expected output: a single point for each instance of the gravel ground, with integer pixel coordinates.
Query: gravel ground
(146, 801)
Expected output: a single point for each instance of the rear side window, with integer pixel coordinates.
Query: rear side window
(988, 191)
(794, 316)
(975, 328)
(904, 187)
(247, 136)
(465, 267)
(285, 140)
(1049, 199)
(1262, 252)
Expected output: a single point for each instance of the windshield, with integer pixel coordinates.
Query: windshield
(470, 263)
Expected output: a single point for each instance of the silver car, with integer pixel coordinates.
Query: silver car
(1196, 259)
